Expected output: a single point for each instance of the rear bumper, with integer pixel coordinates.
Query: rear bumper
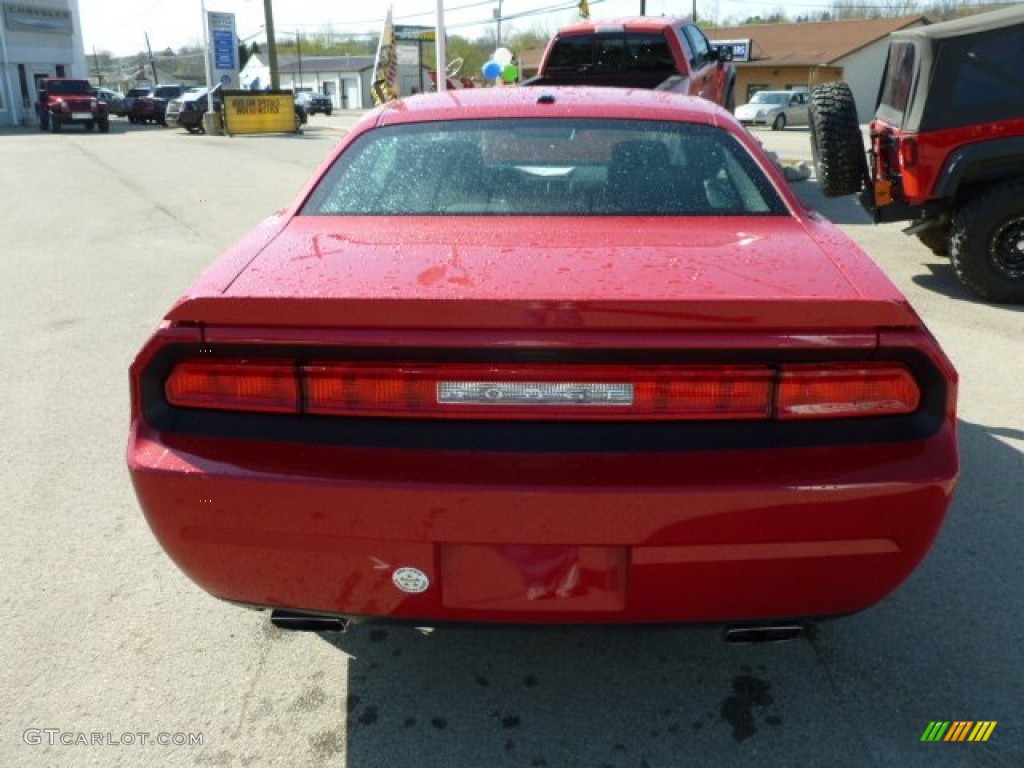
(544, 538)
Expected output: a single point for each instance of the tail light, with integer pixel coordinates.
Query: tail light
(908, 152)
(556, 392)
(813, 392)
(235, 385)
(539, 392)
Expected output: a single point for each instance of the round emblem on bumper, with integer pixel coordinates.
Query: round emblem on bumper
(411, 580)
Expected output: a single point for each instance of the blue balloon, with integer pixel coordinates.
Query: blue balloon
(492, 70)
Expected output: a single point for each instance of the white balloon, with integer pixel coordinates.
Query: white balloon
(503, 56)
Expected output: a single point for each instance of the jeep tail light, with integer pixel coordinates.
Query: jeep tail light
(235, 385)
(908, 152)
(836, 391)
(538, 392)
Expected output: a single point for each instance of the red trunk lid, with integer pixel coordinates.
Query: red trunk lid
(729, 273)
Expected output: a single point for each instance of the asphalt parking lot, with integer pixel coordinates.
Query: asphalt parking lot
(109, 649)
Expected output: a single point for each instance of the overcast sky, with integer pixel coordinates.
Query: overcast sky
(119, 25)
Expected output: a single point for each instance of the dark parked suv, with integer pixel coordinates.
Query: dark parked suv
(947, 146)
(315, 103)
(152, 108)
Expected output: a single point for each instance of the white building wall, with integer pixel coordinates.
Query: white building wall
(26, 55)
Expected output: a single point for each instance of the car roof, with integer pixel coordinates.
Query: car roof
(556, 101)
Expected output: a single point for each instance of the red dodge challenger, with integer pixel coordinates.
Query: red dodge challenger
(545, 356)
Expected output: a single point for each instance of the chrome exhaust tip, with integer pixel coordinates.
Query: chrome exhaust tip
(764, 633)
(307, 622)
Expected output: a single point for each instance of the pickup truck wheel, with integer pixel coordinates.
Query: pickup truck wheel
(779, 123)
(327, 112)
(986, 247)
(104, 126)
(837, 146)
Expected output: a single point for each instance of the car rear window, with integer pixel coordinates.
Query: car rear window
(898, 80)
(612, 52)
(546, 167)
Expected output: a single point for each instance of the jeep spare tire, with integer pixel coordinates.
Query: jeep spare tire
(837, 146)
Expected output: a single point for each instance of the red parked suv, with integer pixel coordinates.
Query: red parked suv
(66, 101)
(947, 146)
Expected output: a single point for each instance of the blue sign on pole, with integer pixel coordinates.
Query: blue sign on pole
(224, 49)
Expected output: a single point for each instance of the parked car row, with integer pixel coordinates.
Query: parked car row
(181, 106)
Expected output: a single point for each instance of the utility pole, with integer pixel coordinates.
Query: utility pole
(643, 7)
(298, 45)
(441, 50)
(96, 64)
(497, 18)
(268, 15)
(152, 62)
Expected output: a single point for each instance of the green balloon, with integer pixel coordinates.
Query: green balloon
(510, 73)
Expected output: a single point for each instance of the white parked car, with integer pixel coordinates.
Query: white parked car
(775, 108)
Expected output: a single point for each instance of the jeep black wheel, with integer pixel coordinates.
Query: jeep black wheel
(779, 123)
(987, 244)
(104, 126)
(936, 238)
(54, 124)
(194, 128)
(837, 146)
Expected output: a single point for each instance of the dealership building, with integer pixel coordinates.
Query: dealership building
(38, 38)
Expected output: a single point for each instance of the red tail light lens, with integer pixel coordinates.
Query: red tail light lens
(539, 392)
(235, 385)
(908, 152)
(837, 391)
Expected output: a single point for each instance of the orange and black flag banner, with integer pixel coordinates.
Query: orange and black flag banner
(385, 70)
(584, 7)
(958, 730)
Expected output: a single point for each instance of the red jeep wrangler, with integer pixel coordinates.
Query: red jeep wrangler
(66, 100)
(947, 146)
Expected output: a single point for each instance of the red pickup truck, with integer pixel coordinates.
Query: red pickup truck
(659, 52)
